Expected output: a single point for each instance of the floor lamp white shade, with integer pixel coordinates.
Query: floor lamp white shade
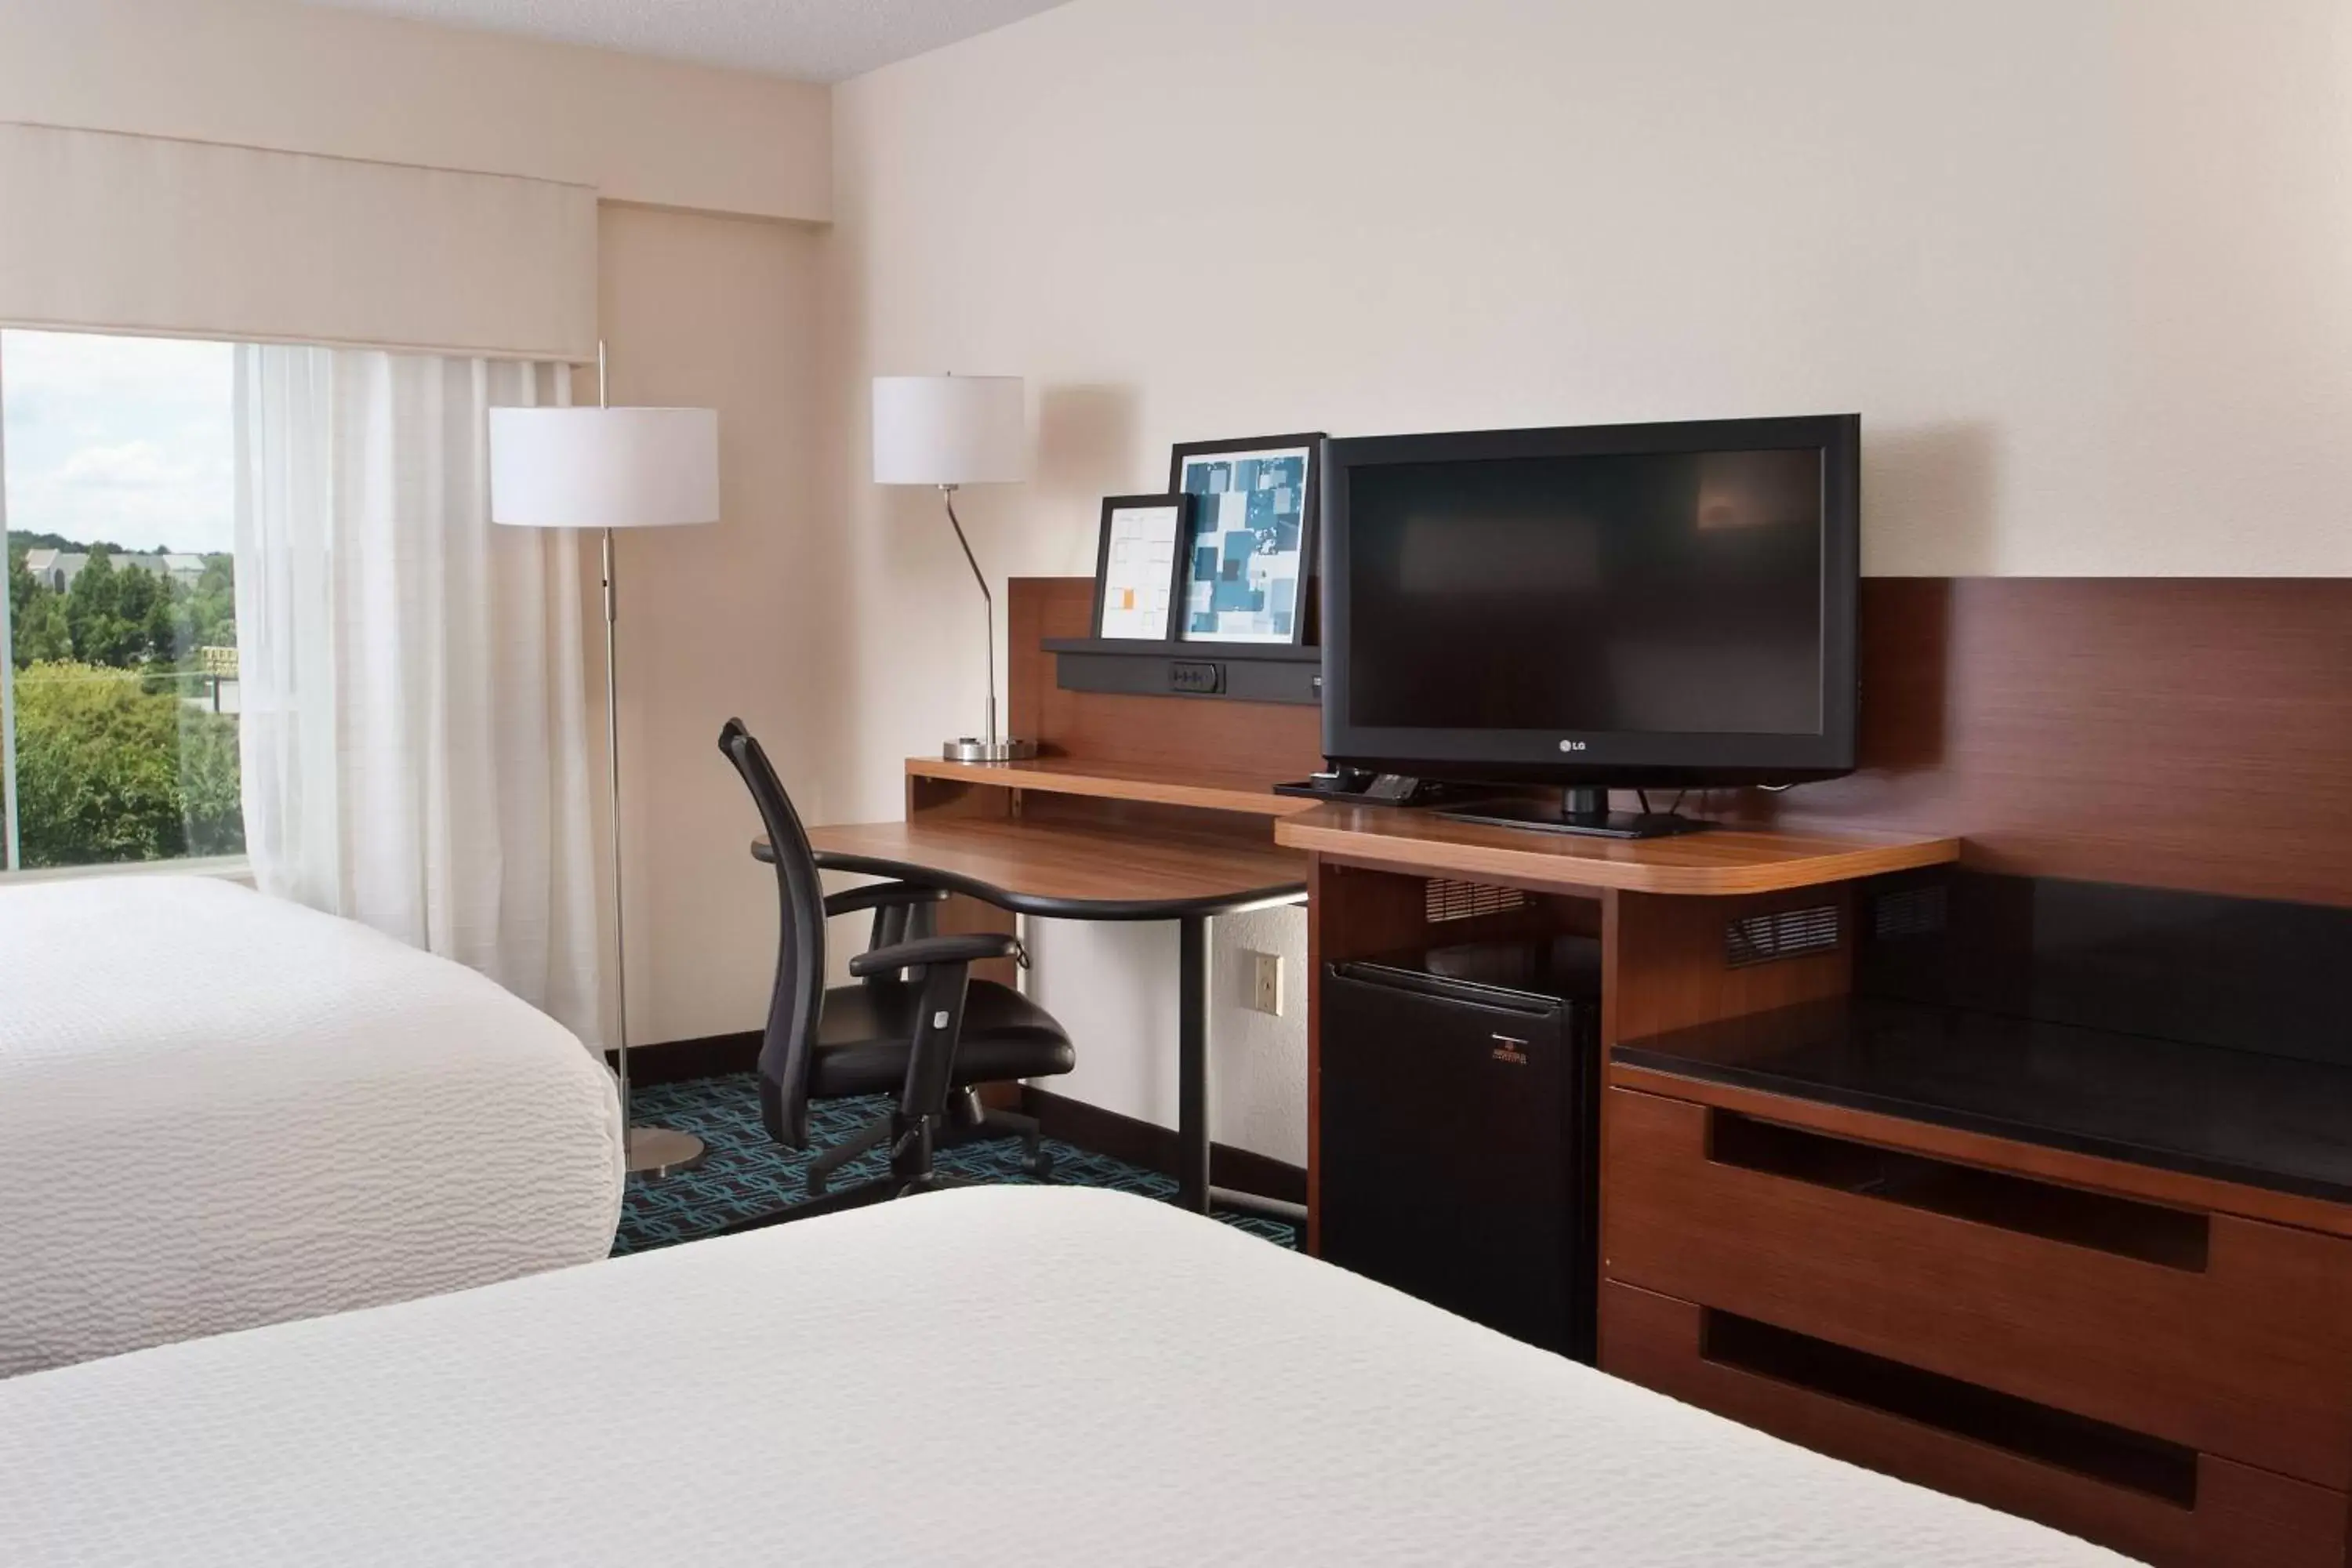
(948, 431)
(607, 469)
(604, 468)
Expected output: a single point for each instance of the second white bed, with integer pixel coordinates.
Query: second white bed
(219, 1110)
(999, 1376)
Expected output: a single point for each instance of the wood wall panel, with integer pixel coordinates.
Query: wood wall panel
(2176, 733)
(1194, 736)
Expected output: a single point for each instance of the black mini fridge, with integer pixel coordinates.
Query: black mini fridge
(1460, 1119)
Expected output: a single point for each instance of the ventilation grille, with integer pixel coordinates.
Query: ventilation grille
(1909, 911)
(1451, 900)
(1791, 933)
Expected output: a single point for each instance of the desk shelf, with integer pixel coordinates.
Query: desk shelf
(1207, 789)
(1725, 862)
(1073, 870)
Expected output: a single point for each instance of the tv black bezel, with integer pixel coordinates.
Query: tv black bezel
(1607, 759)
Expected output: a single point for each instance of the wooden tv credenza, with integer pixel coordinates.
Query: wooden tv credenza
(2158, 1362)
(2156, 1359)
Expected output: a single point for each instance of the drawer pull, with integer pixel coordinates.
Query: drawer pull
(2151, 1233)
(2109, 1454)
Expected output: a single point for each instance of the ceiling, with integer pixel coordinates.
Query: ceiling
(809, 40)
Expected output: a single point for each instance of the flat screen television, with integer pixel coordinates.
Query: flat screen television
(1652, 606)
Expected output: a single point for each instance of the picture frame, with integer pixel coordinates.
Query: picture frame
(1139, 566)
(1249, 567)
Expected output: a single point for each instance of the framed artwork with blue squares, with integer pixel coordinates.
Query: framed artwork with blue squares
(1249, 570)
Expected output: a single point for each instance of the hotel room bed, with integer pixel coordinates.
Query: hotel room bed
(990, 1376)
(219, 1110)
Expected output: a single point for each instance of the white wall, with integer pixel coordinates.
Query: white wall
(303, 79)
(2084, 265)
(731, 620)
(1113, 986)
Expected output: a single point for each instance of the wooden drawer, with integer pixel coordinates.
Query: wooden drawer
(2226, 1336)
(2178, 1510)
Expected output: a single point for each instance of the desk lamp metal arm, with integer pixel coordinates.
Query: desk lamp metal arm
(990, 748)
(947, 494)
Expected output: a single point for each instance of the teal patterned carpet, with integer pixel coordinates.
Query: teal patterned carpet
(749, 1174)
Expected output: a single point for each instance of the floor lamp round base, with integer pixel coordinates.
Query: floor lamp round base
(967, 750)
(663, 1152)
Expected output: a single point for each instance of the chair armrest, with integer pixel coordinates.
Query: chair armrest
(765, 853)
(882, 896)
(968, 947)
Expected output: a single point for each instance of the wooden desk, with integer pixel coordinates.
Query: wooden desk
(1063, 839)
(1070, 870)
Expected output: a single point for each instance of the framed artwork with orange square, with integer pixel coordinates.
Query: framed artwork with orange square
(1138, 564)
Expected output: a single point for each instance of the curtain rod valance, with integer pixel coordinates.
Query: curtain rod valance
(108, 232)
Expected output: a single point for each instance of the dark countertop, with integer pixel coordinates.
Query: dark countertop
(2266, 1121)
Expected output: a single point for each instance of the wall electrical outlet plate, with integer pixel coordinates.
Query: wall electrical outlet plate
(1266, 983)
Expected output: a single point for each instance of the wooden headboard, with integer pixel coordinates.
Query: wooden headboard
(2175, 733)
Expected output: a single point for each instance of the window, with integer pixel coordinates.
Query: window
(119, 697)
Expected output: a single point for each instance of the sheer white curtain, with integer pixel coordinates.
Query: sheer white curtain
(414, 727)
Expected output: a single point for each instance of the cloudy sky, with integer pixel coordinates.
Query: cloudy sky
(125, 439)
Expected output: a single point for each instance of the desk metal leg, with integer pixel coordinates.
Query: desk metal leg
(1192, 1063)
(1192, 1189)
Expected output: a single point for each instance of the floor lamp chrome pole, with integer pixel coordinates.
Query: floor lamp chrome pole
(608, 468)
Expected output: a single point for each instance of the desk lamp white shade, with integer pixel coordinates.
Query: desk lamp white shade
(605, 469)
(948, 431)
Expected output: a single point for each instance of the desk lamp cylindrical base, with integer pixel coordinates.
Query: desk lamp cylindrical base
(970, 750)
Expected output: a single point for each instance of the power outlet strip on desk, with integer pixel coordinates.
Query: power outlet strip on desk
(1244, 672)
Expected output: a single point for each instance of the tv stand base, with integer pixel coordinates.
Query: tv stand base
(1584, 811)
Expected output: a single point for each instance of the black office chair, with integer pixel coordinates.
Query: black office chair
(917, 1021)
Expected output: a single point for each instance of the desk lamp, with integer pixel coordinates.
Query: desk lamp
(607, 467)
(948, 431)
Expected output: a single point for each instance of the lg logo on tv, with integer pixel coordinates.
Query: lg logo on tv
(1571, 745)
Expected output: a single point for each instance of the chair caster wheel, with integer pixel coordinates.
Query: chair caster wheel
(1037, 1163)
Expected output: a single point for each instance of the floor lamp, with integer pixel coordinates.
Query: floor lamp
(606, 467)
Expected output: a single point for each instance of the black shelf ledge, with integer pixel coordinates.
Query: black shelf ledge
(1242, 672)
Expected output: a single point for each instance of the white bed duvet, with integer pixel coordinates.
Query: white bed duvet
(219, 1110)
(998, 1376)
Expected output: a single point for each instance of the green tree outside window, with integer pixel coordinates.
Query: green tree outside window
(120, 756)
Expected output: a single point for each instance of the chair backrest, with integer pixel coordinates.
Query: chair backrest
(798, 996)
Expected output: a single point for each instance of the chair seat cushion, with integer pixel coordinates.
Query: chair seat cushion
(866, 1030)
